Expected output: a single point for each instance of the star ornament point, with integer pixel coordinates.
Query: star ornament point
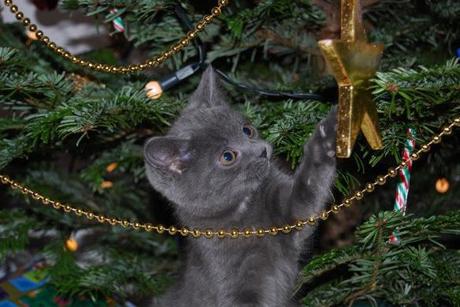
(353, 61)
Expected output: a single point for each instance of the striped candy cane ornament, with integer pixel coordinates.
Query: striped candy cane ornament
(117, 23)
(402, 188)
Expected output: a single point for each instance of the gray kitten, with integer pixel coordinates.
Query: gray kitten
(218, 174)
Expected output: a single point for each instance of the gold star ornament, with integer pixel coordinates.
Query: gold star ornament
(353, 61)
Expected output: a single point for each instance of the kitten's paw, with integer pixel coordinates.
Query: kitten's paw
(325, 134)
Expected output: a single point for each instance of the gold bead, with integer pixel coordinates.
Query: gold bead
(260, 232)
(221, 233)
(273, 231)
(311, 221)
(184, 42)
(32, 27)
(447, 130)
(81, 62)
(149, 227)
(208, 18)
(26, 22)
(223, 2)
(392, 172)
(381, 180)
(436, 139)
(52, 45)
(172, 230)
(39, 34)
(287, 228)
(113, 222)
(123, 69)
(369, 187)
(299, 225)
(90, 215)
(208, 234)
(60, 50)
(425, 147)
(136, 225)
(13, 9)
(19, 15)
(67, 208)
(216, 11)
(457, 121)
(8, 2)
(234, 233)
(247, 232)
(335, 208)
(196, 233)
(200, 25)
(184, 232)
(403, 164)
(324, 215)
(160, 229)
(150, 62)
(124, 224)
(414, 156)
(359, 195)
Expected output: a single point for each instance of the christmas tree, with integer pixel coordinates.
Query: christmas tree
(75, 135)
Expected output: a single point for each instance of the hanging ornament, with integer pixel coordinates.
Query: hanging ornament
(402, 188)
(353, 62)
(71, 244)
(442, 185)
(117, 22)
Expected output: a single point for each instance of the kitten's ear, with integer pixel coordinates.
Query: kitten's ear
(167, 153)
(209, 92)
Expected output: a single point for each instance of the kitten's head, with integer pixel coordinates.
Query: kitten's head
(211, 159)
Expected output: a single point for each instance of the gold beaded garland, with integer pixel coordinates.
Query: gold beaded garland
(209, 233)
(215, 12)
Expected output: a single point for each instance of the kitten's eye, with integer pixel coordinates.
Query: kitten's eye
(249, 131)
(228, 157)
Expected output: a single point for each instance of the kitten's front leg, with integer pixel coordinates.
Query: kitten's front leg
(315, 175)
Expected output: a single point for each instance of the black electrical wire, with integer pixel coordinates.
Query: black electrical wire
(194, 67)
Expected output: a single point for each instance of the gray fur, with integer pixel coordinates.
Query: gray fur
(184, 167)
